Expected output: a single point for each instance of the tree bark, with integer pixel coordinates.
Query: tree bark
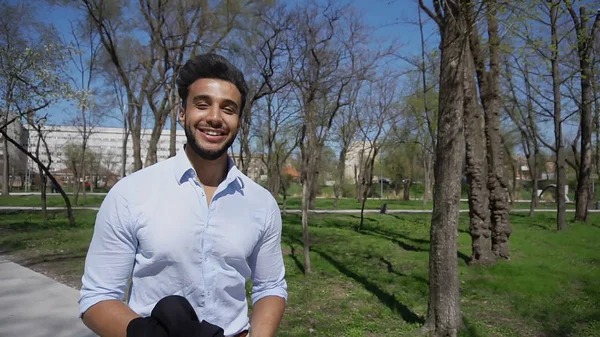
(305, 235)
(585, 43)
(561, 220)
(406, 191)
(490, 99)
(341, 171)
(5, 170)
(43, 198)
(173, 132)
(443, 314)
(476, 171)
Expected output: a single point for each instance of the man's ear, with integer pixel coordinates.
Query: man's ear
(182, 116)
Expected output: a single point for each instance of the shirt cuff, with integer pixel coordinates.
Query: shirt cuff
(279, 292)
(88, 301)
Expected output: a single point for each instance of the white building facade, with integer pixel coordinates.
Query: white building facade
(107, 142)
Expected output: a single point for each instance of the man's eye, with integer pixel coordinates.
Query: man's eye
(202, 106)
(229, 110)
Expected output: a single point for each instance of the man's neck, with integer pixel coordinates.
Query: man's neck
(210, 172)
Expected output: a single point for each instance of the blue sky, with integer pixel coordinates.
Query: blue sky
(391, 17)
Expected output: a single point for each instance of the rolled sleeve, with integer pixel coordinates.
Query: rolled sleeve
(111, 254)
(266, 262)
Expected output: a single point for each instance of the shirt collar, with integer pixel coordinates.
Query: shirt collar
(183, 168)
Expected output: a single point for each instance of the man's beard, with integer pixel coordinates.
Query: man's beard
(201, 152)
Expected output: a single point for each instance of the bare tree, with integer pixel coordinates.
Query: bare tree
(443, 313)
(586, 37)
(326, 60)
(83, 57)
(278, 134)
(523, 115)
(558, 134)
(375, 116)
(268, 61)
(344, 133)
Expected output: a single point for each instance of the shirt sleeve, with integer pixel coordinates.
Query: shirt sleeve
(266, 262)
(111, 254)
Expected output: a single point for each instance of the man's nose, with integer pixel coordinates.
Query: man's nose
(214, 114)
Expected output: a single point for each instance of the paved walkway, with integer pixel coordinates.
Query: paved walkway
(33, 305)
(314, 211)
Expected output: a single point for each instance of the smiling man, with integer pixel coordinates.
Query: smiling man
(192, 226)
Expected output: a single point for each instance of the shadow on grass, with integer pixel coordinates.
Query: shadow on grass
(469, 329)
(406, 246)
(295, 258)
(390, 269)
(389, 300)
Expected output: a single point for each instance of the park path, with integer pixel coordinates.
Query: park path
(34, 305)
(314, 211)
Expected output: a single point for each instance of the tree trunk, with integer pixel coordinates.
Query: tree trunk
(362, 207)
(124, 150)
(43, 198)
(5, 166)
(585, 45)
(313, 191)
(159, 124)
(244, 138)
(476, 171)
(490, 99)
(561, 219)
(534, 182)
(339, 187)
(136, 137)
(173, 132)
(443, 314)
(406, 191)
(306, 187)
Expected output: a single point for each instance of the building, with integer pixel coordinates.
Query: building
(106, 142)
(355, 160)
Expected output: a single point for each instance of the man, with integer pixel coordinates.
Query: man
(192, 225)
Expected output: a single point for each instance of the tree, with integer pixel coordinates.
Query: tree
(443, 313)
(375, 116)
(523, 115)
(266, 54)
(476, 170)
(326, 58)
(84, 57)
(31, 61)
(278, 127)
(489, 86)
(344, 133)
(558, 134)
(27, 70)
(586, 37)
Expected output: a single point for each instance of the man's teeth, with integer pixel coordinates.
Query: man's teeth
(212, 133)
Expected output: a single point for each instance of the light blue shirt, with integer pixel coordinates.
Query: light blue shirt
(156, 226)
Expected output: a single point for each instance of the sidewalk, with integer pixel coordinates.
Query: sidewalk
(33, 305)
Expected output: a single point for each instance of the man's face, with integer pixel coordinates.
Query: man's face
(211, 117)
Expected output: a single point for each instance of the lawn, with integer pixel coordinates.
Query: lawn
(374, 282)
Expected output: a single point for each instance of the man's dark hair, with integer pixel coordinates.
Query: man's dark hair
(210, 66)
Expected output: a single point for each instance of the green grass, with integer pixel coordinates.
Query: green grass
(375, 282)
(292, 203)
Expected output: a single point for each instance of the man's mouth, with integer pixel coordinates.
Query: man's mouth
(213, 135)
